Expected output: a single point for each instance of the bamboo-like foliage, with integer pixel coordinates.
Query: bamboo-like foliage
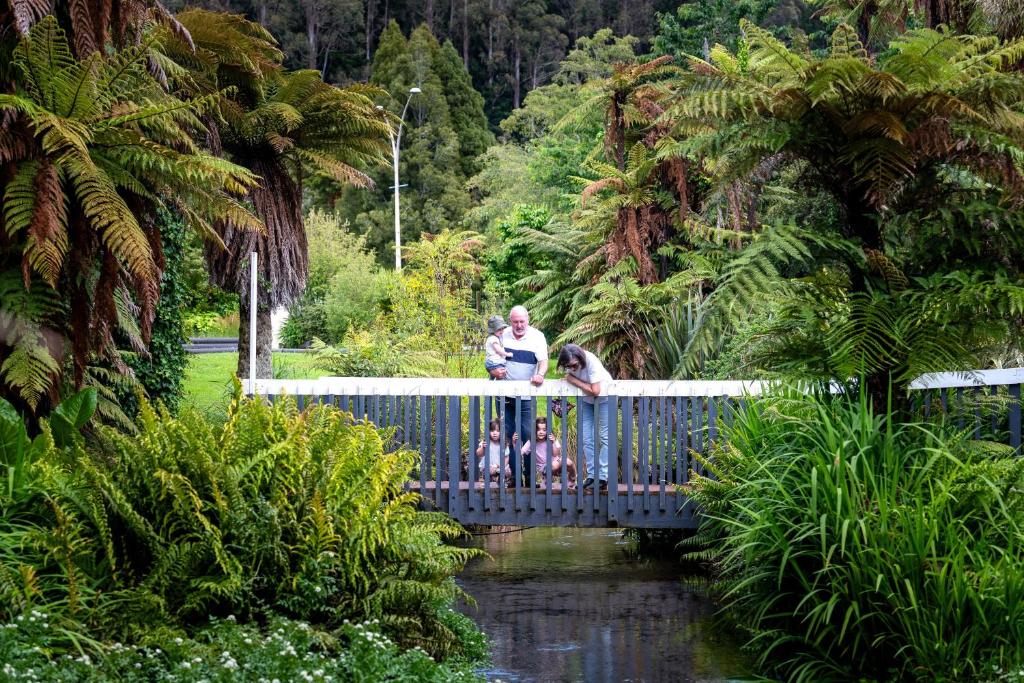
(86, 145)
(855, 548)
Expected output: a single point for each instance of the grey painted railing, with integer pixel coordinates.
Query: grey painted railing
(657, 430)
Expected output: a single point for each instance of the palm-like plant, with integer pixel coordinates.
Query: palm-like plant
(85, 147)
(877, 136)
(937, 116)
(280, 126)
(640, 209)
(631, 99)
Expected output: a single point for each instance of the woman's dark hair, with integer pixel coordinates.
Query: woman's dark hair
(569, 353)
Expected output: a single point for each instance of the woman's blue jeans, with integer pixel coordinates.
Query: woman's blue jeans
(586, 437)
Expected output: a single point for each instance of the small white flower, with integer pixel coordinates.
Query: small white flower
(178, 641)
(186, 665)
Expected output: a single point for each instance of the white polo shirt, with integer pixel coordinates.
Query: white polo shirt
(527, 353)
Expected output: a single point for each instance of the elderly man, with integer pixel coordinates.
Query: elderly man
(529, 362)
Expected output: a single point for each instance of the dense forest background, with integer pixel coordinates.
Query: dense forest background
(509, 47)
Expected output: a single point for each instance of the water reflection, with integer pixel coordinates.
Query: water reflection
(571, 605)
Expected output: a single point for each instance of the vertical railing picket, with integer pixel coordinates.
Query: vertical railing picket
(517, 445)
(698, 429)
(488, 403)
(1015, 436)
(927, 403)
(503, 462)
(995, 412)
(976, 394)
(454, 454)
(471, 463)
(613, 458)
(627, 449)
(424, 443)
(596, 436)
(663, 440)
(563, 422)
(404, 426)
(581, 457)
(440, 434)
(944, 400)
(300, 402)
(680, 449)
(532, 469)
(550, 446)
(644, 450)
(712, 421)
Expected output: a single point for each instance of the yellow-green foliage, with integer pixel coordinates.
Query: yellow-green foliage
(300, 512)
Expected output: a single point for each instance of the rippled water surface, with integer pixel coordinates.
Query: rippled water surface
(572, 605)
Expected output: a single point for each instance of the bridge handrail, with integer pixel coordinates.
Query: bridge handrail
(435, 386)
(441, 386)
(969, 378)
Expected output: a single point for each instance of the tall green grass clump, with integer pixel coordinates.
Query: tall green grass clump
(855, 547)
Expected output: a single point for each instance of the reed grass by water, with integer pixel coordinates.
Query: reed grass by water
(857, 547)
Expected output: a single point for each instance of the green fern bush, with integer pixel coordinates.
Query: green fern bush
(859, 548)
(303, 512)
(276, 511)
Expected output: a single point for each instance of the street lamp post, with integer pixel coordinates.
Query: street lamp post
(396, 141)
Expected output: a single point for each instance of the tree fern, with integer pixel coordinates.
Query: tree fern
(100, 144)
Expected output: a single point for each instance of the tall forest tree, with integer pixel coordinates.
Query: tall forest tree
(445, 132)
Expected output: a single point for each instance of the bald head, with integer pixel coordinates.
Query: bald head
(519, 319)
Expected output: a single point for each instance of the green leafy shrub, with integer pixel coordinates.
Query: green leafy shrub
(344, 286)
(858, 548)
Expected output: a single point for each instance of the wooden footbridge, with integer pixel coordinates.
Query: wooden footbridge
(657, 434)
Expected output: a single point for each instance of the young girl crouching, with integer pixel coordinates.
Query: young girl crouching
(548, 445)
(490, 463)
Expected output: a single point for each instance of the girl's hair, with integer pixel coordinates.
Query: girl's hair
(492, 425)
(536, 428)
(569, 353)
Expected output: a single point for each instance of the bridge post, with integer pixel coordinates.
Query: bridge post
(440, 462)
(454, 454)
(1015, 416)
(627, 449)
(613, 459)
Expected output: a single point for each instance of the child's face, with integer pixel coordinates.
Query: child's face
(542, 431)
(496, 434)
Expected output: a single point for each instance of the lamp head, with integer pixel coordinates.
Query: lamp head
(413, 91)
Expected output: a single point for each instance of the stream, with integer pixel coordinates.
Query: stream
(568, 604)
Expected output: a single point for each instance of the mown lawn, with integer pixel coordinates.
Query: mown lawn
(208, 376)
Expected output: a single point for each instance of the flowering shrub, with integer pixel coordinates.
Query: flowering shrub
(282, 652)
